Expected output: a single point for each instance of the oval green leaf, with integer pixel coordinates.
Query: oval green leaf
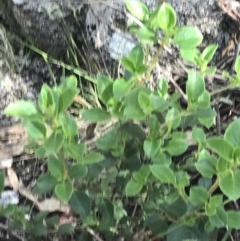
(64, 190)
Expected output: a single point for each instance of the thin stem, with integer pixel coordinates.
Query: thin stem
(214, 186)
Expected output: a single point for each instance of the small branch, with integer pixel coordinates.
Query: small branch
(93, 234)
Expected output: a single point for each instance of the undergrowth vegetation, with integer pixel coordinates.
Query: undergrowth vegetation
(142, 173)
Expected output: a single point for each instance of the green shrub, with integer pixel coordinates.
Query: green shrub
(137, 178)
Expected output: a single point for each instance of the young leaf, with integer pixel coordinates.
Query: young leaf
(69, 126)
(77, 171)
(176, 147)
(229, 184)
(133, 188)
(121, 87)
(190, 55)
(136, 56)
(36, 129)
(96, 115)
(144, 102)
(163, 173)
(66, 99)
(188, 37)
(21, 109)
(92, 157)
(56, 167)
(46, 100)
(64, 190)
(204, 100)
(137, 9)
(219, 220)
(232, 133)
(69, 82)
(128, 64)
(151, 147)
(145, 34)
(195, 86)
(172, 119)
(198, 196)
(54, 143)
(222, 147)
(209, 52)
(206, 167)
(166, 17)
(162, 88)
(103, 82)
(76, 151)
(198, 135)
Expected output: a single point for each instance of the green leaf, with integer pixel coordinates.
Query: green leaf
(106, 208)
(21, 109)
(151, 147)
(64, 190)
(93, 157)
(222, 165)
(54, 143)
(96, 115)
(133, 188)
(46, 100)
(141, 69)
(209, 52)
(144, 102)
(45, 184)
(166, 17)
(103, 82)
(136, 56)
(137, 9)
(69, 126)
(128, 64)
(121, 87)
(2, 180)
(81, 204)
(233, 219)
(66, 228)
(172, 119)
(206, 167)
(204, 100)
(188, 37)
(232, 133)
(195, 86)
(182, 179)
(219, 220)
(229, 184)
(176, 147)
(222, 147)
(237, 66)
(76, 151)
(145, 34)
(211, 70)
(162, 88)
(153, 223)
(158, 103)
(163, 173)
(198, 135)
(213, 204)
(69, 82)
(56, 167)
(67, 98)
(198, 196)
(36, 129)
(190, 55)
(77, 171)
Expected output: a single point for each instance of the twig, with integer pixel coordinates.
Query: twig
(93, 234)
